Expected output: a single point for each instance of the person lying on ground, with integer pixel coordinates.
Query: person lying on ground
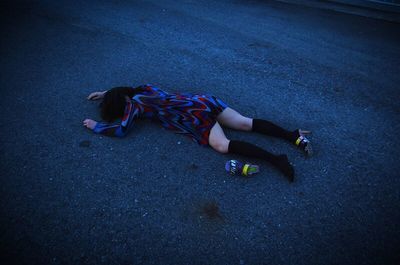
(198, 116)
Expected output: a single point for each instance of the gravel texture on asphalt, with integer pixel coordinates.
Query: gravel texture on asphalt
(72, 197)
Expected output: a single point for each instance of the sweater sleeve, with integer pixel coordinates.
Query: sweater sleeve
(119, 130)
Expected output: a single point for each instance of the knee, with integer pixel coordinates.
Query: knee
(220, 146)
(246, 124)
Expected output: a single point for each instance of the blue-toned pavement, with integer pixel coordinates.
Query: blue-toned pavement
(69, 196)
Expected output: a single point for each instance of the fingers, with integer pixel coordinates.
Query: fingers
(87, 122)
(94, 96)
(90, 124)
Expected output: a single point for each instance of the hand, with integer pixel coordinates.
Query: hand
(90, 124)
(96, 95)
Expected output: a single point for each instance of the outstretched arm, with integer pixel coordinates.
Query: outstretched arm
(119, 130)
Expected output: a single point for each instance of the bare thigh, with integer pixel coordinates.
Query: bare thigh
(217, 139)
(234, 120)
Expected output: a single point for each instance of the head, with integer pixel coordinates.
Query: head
(114, 102)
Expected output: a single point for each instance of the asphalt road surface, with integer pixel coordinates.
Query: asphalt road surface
(69, 196)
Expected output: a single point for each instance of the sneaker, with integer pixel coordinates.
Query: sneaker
(235, 167)
(303, 143)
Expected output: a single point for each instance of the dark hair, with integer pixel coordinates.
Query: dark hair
(113, 104)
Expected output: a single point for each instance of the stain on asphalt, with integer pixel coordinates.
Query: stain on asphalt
(204, 212)
(211, 211)
(84, 143)
(193, 166)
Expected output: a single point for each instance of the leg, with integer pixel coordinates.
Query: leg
(296, 137)
(271, 129)
(220, 143)
(217, 139)
(234, 120)
(247, 149)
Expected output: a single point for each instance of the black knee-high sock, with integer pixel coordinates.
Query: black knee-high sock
(268, 128)
(250, 150)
